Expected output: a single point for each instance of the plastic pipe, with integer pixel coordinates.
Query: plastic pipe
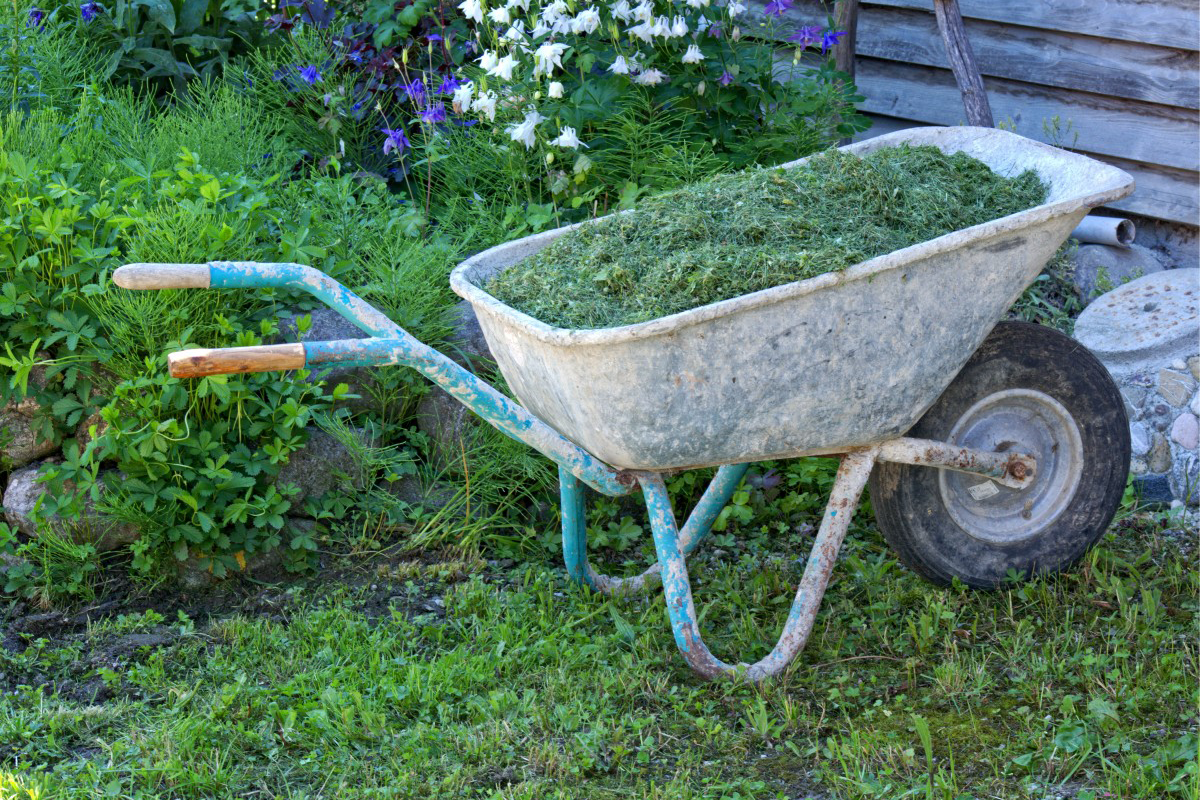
(1114, 231)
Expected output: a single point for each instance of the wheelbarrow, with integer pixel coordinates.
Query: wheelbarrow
(992, 450)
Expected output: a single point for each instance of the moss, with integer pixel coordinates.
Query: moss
(740, 233)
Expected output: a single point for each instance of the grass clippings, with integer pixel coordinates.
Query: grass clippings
(736, 234)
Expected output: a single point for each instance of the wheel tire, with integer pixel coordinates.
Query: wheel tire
(1025, 382)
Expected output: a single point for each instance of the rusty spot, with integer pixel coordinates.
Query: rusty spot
(627, 477)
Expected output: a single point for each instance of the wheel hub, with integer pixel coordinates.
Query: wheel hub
(1022, 421)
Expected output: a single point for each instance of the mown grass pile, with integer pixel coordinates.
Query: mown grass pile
(736, 234)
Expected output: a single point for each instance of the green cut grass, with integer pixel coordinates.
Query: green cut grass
(736, 234)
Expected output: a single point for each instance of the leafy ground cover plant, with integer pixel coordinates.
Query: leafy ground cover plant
(732, 235)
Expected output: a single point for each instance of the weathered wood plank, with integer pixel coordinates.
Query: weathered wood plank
(1119, 69)
(1170, 23)
(962, 63)
(1121, 128)
(1161, 193)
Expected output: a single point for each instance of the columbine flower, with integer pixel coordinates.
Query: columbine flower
(586, 21)
(726, 78)
(679, 27)
(829, 39)
(622, 11)
(555, 91)
(735, 8)
(516, 33)
(567, 138)
(36, 15)
(524, 133)
(698, 3)
(643, 30)
(644, 12)
(449, 85)
(775, 8)
(620, 66)
(540, 28)
(89, 11)
(500, 16)
(485, 103)
(434, 114)
(462, 97)
(524, 4)
(396, 140)
(414, 90)
(651, 77)
(504, 68)
(472, 9)
(806, 36)
(693, 55)
(488, 61)
(716, 30)
(547, 57)
(662, 27)
(309, 75)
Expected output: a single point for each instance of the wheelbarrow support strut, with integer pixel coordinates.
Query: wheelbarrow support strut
(388, 343)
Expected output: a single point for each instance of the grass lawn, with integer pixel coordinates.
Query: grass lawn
(456, 676)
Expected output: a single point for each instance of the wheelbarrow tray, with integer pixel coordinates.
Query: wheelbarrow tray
(815, 366)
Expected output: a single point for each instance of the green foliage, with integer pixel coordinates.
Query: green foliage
(736, 234)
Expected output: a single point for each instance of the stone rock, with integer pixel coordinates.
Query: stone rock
(1175, 387)
(1139, 439)
(1138, 466)
(1194, 406)
(196, 571)
(323, 464)
(19, 444)
(1154, 490)
(1186, 431)
(411, 490)
(328, 325)
(89, 526)
(1100, 267)
(1133, 396)
(1193, 365)
(447, 424)
(1159, 459)
(1144, 325)
(1185, 479)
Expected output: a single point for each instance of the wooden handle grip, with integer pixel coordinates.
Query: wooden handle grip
(232, 360)
(163, 276)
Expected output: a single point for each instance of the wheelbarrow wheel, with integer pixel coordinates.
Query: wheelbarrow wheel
(1026, 389)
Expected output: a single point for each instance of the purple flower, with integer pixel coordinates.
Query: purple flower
(309, 75)
(775, 8)
(829, 39)
(89, 11)
(414, 90)
(449, 85)
(434, 37)
(278, 22)
(436, 113)
(36, 15)
(807, 36)
(396, 140)
(725, 79)
(716, 31)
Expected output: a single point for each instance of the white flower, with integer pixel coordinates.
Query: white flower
(500, 16)
(662, 27)
(643, 30)
(586, 21)
(504, 68)
(651, 77)
(735, 8)
(462, 97)
(567, 138)
(472, 9)
(488, 61)
(698, 3)
(540, 28)
(555, 91)
(555, 10)
(486, 104)
(516, 33)
(620, 66)
(622, 11)
(693, 55)
(524, 4)
(524, 133)
(547, 57)
(644, 12)
(679, 27)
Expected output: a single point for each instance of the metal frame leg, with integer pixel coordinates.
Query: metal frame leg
(695, 530)
(681, 608)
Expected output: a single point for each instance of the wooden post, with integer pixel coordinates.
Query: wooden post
(846, 19)
(962, 62)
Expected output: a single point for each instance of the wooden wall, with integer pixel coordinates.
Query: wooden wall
(1115, 79)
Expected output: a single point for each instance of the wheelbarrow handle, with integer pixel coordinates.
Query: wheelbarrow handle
(163, 276)
(202, 362)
